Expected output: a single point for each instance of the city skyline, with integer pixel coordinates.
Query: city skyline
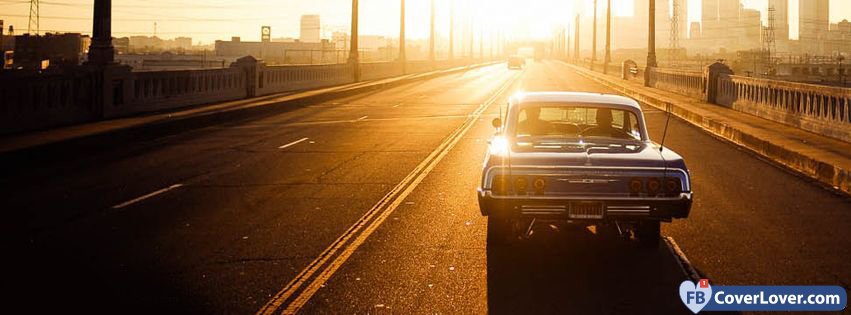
(212, 20)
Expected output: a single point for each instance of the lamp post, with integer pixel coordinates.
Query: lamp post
(651, 41)
(354, 58)
(608, 57)
(576, 39)
(431, 36)
(841, 58)
(452, 30)
(402, 57)
(101, 51)
(594, 38)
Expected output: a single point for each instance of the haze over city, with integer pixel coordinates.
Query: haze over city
(207, 21)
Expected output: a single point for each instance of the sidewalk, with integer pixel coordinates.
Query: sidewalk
(821, 158)
(200, 114)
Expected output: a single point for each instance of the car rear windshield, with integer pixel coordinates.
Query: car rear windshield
(534, 120)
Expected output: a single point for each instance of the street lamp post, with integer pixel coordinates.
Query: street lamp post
(608, 57)
(576, 39)
(402, 56)
(841, 58)
(354, 58)
(101, 51)
(594, 37)
(651, 41)
(452, 30)
(431, 36)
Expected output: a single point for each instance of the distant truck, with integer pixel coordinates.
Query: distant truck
(516, 62)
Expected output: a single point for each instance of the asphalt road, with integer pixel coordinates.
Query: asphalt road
(366, 204)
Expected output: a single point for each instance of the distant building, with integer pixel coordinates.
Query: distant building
(813, 25)
(121, 44)
(53, 50)
(310, 28)
(694, 31)
(781, 19)
(144, 44)
(278, 51)
(341, 40)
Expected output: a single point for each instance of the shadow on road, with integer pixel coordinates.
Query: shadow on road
(570, 269)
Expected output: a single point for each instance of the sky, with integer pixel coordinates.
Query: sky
(208, 20)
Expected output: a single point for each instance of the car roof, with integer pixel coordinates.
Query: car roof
(574, 97)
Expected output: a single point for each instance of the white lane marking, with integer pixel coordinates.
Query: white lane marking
(292, 143)
(362, 118)
(132, 201)
(681, 258)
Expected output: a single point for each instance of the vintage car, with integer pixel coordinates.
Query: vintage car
(516, 62)
(579, 158)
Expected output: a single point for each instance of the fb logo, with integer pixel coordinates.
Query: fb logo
(695, 297)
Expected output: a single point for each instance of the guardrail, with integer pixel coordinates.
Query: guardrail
(691, 83)
(823, 110)
(39, 100)
(32, 101)
(158, 90)
(820, 109)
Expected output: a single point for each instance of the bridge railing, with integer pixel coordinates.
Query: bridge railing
(158, 90)
(32, 101)
(687, 82)
(820, 109)
(277, 79)
(39, 100)
(380, 70)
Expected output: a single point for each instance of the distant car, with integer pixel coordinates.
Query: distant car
(516, 62)
(580, 158)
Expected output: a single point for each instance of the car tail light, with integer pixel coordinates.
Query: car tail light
(635, 185)
(499, 185)
(539, 185)
(521, 184)
(653, 186)
(672, 186)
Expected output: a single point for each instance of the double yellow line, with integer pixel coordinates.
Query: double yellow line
(301, 288)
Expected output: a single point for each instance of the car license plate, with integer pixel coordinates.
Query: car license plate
(586, 210)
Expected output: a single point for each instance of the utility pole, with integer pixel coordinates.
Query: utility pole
(354, 59)
(651, 41)
(674, 40)
(451, 30)
(608, 57)
(770, 43)
(576, 39)
(594, 38)
(402, 57)
(34, 18)
(431, 36)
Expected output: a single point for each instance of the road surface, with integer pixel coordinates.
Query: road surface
(366, 204)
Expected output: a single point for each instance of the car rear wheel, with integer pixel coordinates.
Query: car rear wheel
(499, 230)
(649, 234)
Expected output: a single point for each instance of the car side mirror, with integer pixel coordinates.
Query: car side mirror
(497, 122)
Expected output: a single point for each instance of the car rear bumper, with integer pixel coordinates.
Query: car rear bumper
(615, 208)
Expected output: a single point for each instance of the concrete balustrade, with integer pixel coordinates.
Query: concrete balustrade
(159, 90)
(691, 83)
(35, 101)
(277, 79)
(819, 109)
